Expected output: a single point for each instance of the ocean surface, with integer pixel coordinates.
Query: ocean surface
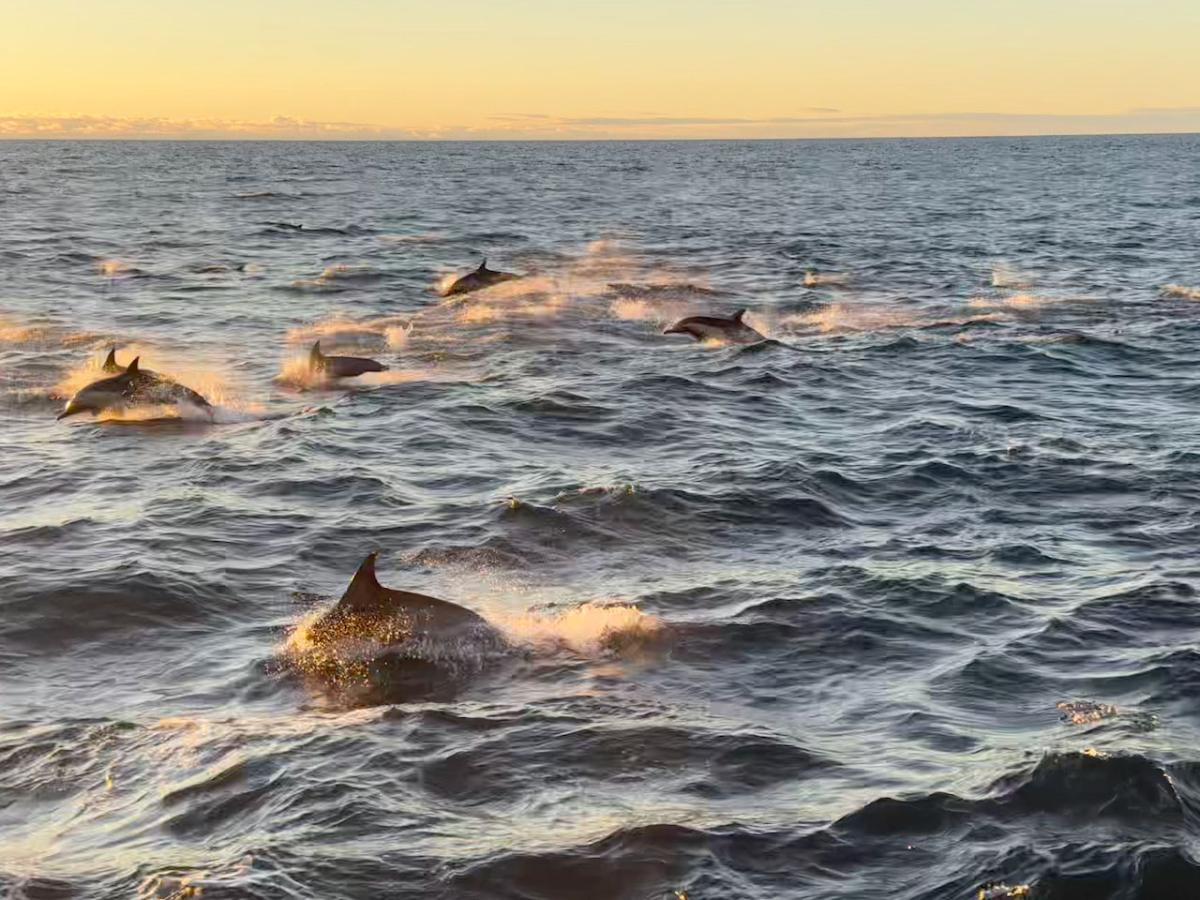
(898, 603)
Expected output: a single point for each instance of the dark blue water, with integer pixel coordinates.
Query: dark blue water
(790, 619)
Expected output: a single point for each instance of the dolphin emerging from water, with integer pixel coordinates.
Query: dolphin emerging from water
(389, 617)
(478, 280)
(715, 328)
(341, 366)
(132, 387)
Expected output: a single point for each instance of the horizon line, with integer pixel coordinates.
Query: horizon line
(152, 139)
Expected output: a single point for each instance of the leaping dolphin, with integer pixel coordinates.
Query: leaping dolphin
(715, 328)
(369, 611)
(478, 280)
(341, 366)
(133, 387)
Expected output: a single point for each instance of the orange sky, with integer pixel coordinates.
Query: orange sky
(543, 69)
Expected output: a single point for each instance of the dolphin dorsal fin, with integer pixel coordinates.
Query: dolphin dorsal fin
(483, 266)
(316, 358)
(737, 316)
(110, 361)
(364, 590)
(133, 366)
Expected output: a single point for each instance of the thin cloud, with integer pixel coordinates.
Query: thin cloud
(673, 121)
(117, 126)
(519, 117)
(1164, 110)
(819, 122)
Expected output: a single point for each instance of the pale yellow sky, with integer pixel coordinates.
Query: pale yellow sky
(619, 68)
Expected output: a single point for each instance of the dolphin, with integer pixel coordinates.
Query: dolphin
(341, 366)
(370, 611)
(132, 387)
(115, 368)
(715, 328)
(478, 280)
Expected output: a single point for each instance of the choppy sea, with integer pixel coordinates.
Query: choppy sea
(898, 603)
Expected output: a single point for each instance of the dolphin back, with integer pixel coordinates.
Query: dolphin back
(479, 279)
(703, 328)
(368, 598)
(349, 366)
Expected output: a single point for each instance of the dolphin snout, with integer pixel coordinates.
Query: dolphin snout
(72, 408)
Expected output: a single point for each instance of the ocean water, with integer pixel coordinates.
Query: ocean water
(898, 603)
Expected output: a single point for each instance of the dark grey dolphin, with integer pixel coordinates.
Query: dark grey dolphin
(132, 387)
(389, 617)
(478, 280)
(715, 328)
(341, 366)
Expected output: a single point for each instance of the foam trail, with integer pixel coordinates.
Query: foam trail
(337, 275)
(663, 312)
(13, 331)
(843, 317)
(431, 237)
(1016, 301)
(840, 318)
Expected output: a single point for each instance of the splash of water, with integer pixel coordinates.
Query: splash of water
(1085, 712)
(14, 333)
(397, 335)
(297, 373)
(826, 279)
(339, 329)
(661, 311)
(589, 629)
(1006, 276)
(444, 282)
(1181, 291)
(116, 268)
